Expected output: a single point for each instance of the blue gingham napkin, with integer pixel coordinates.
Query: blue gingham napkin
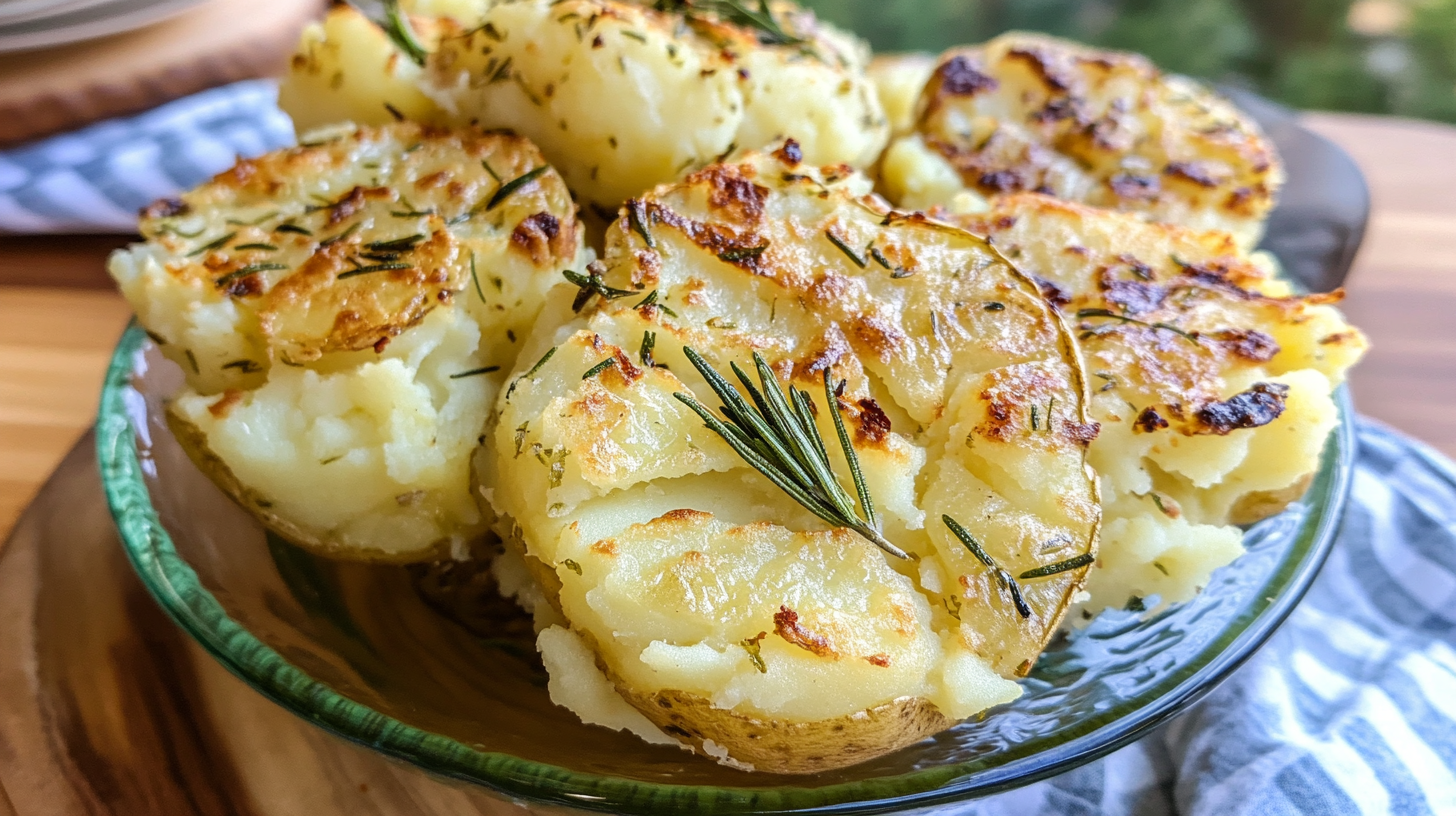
(1349, 709)
(95, 179)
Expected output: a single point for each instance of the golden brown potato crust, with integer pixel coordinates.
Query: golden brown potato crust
(1025, 112)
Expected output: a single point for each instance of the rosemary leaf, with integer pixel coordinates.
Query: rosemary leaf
(396, 245)
(474, 371)
(1106, 313)
(353, 228)
(649, 342)
(244, 271)
(637, 217)
(510, 187)
(741, 253)
(475, 279)
(1004, 577)
(218, 243)
(599, 368)
(860, 487)
(532, 372)
(402, 34)
(854, 257)
(1076, 562)
(365, 270)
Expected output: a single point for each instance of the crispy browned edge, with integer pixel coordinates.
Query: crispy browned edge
(788, 747)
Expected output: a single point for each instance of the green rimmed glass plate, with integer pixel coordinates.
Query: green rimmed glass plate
(367, 651)
(428, 666)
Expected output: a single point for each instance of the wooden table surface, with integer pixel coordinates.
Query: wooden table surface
(59, 319)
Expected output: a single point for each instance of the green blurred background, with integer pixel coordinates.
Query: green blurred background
(1377, 56)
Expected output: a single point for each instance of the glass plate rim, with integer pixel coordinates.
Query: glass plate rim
(176, 587)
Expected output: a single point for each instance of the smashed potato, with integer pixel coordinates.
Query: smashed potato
(1211, 380)
(724, 612)
(619, 96)
(343, 312)
(1026, 112)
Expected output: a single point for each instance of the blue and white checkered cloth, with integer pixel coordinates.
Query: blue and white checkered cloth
(95, 179)
(1349, 709)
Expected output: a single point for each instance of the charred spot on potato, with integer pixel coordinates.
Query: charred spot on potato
(1250, 344)
(1134, 187)
(1042, 63)
(787, 626)
(871, 424)
(1002, 181)
(1197, 172)
(1150, 420)
(960, 77)
(1134, 297)
(535, 234)
(1260, 405)
(1052, 292)
(790, 153)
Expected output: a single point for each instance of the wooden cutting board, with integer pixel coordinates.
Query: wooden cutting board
(58, 89)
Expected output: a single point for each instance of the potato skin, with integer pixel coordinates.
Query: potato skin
(780, 746)
(769, 745)
(194, 443)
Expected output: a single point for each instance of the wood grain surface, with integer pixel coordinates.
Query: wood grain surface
(155, 726)
(221, 41)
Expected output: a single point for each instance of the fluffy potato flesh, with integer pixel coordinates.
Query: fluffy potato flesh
(343, 312)
(1211, 381)
(1026, 112)
(346, 69)
(621, 97)
(899, 79)
(726, 613)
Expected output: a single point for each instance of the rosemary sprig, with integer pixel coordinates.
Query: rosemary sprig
(1007, 582)
(591, 284)
(778, 437)
(1085, 313)
(515, 184)
(402, 34)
